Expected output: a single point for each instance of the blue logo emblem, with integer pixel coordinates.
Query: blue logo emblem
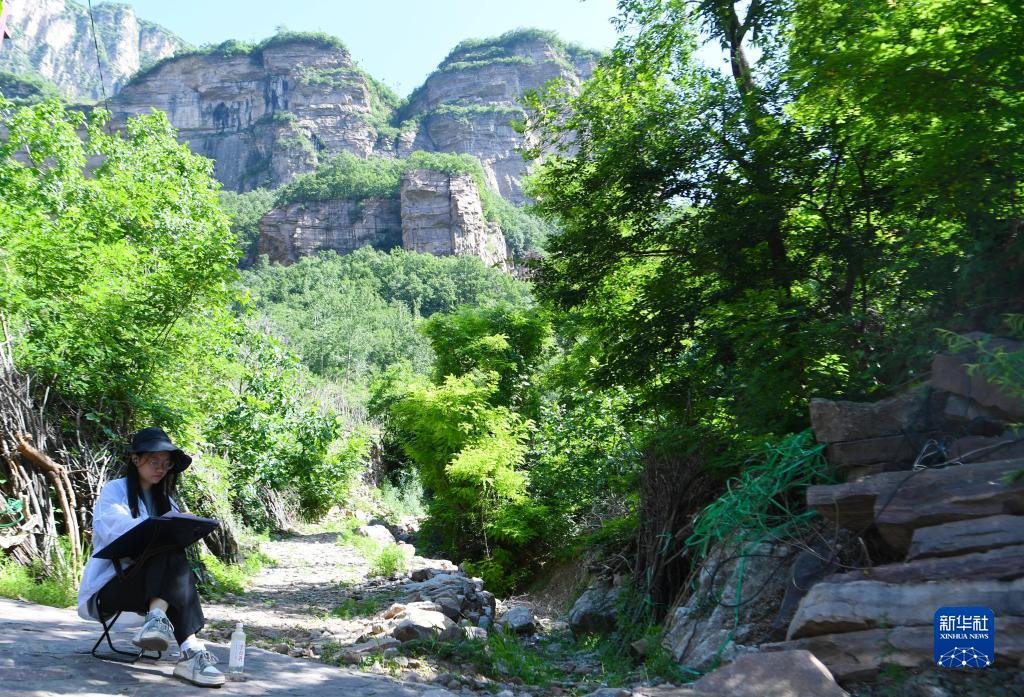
(965, 637)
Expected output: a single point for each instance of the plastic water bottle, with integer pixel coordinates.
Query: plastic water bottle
(236, 660)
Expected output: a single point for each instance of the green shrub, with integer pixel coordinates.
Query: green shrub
(326, 483)
(466, 431)
(225, 578)
(389, 561)
(54, 584)
(401, 495)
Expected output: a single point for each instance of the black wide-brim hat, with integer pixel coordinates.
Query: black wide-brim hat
(155, 440)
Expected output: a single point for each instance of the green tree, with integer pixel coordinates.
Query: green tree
(922, 100)
(466, 433)
(106, 263)
(469, 454)
(244, 211)
(726, 259)
(503, 340)
(118, 289)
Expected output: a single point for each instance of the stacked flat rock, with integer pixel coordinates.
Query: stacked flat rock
(964, 413)
(951, 528)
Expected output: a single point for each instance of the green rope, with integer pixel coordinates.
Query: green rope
(755, 509)
(13, 508)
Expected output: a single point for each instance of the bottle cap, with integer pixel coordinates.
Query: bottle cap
(238, 626)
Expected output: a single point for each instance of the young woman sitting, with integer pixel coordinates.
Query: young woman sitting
(162, 587)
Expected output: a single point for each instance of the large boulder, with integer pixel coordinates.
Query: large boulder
(377, 533)
(795, 673)
(518, 620)
(835, 421)
(424, 624)
(708, 625)
(595, 611)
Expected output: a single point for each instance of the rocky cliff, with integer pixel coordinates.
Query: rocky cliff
(302, 229)
(442, 215)
(469, 104)
(263, 113)
(435, 213)
(53, 39)
(269, 112)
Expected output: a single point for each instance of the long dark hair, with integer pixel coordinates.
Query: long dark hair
(161, 492)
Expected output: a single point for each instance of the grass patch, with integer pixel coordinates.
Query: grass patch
(32, 584)
(223, 578)
(389, 561)
(402, 498)
(351, 608)
(502, 657)
(385, 560)
(349, 537)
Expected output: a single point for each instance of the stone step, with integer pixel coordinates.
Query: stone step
(860, 655)
(838, 421)
(966, 536)
(853, 454)
(937, 496)
(900, 502)
(951, 373)
(1002, 564)
(852, 505)
(829, 608)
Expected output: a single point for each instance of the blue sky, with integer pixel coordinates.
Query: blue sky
(397, 41)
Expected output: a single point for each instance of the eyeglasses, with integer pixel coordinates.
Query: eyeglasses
(160, 464)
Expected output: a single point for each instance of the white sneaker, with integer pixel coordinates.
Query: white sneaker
(156, 634)
(197, 668)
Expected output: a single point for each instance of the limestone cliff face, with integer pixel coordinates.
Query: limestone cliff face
(262, 115)
(441, 215)
(469, 103)
(53, 39)
(434, 214)
(268, 114)
(302, 229)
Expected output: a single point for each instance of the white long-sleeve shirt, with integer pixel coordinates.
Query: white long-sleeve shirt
(111, 518)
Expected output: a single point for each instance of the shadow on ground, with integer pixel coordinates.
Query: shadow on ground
(44, 652)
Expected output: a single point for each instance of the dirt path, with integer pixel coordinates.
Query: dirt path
(289, 604)
(317, 599)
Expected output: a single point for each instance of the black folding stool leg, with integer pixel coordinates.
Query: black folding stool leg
(134, 655)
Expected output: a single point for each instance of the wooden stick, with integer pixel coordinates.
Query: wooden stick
(58, 476)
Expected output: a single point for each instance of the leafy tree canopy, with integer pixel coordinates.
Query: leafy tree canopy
(735, 244)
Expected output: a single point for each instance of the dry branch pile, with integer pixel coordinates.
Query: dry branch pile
(49, 476)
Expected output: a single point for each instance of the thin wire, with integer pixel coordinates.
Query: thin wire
(99, 63)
